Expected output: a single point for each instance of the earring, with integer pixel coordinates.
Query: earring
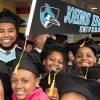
(37, 85)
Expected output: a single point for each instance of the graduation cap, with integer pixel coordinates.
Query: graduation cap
(94, 72)
(51, 45)
(30, 42)
(6, 85)
(27, 63)
(88, 42)
(61, 37)
(97, 42)
(6, 16)
(88, 88)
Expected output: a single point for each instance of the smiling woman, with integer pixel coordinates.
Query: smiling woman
(25, 83)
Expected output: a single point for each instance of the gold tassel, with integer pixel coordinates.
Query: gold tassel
(52, 86)
(86, 40)
(86, 73)
(49, 79)
(82, 44)
(16, 68)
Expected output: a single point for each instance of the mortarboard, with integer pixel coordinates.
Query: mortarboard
(27, 63)
(89, 42)
(6, 16)
(93, 72)
(88, 88)
(30, 42)
(61, 37)
(97, 42)
(6, 85)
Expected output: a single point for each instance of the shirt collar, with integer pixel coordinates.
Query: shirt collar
(9, 51)
(39, 50)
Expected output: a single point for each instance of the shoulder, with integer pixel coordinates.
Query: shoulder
(19, 53)
(43, 96)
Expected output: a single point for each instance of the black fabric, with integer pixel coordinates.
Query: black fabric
(44, 81)
(30, 42)
(35, 55)
(21, 36)
(88, 42)
(6, 16)
(89, 89)
(28, 63)
(61, 37)
(6, 85)
(8, 67)
(94, 73)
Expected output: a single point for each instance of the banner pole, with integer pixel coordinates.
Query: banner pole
(30, 17)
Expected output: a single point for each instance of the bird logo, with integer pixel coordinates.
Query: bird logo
(48, 17)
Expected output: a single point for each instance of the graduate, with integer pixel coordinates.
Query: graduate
(25, 80)
(85, 53)
(39, 41)
(53, 59)
(53, 55)
(9, 27)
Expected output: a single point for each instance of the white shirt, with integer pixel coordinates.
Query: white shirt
(7, 57)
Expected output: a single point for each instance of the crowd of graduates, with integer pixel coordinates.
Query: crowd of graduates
(52, 70)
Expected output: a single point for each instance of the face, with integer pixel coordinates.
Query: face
(70, 56)
(29, 48)
(23, 83)
(72, 96)
(98, 80)
(7, 36)
(55, 95)
(1, 91)
(85, 57)
(54, 61)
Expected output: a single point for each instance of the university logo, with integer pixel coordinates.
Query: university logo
(49, 15)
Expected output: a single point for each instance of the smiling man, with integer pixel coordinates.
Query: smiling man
(9, 25)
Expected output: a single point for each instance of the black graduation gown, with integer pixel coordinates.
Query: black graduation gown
(35, 55)
(8, 67)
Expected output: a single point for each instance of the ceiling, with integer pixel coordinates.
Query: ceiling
(87, 4)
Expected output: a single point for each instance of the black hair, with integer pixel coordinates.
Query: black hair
(51, 49)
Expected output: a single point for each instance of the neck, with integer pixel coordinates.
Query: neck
(7, 49)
